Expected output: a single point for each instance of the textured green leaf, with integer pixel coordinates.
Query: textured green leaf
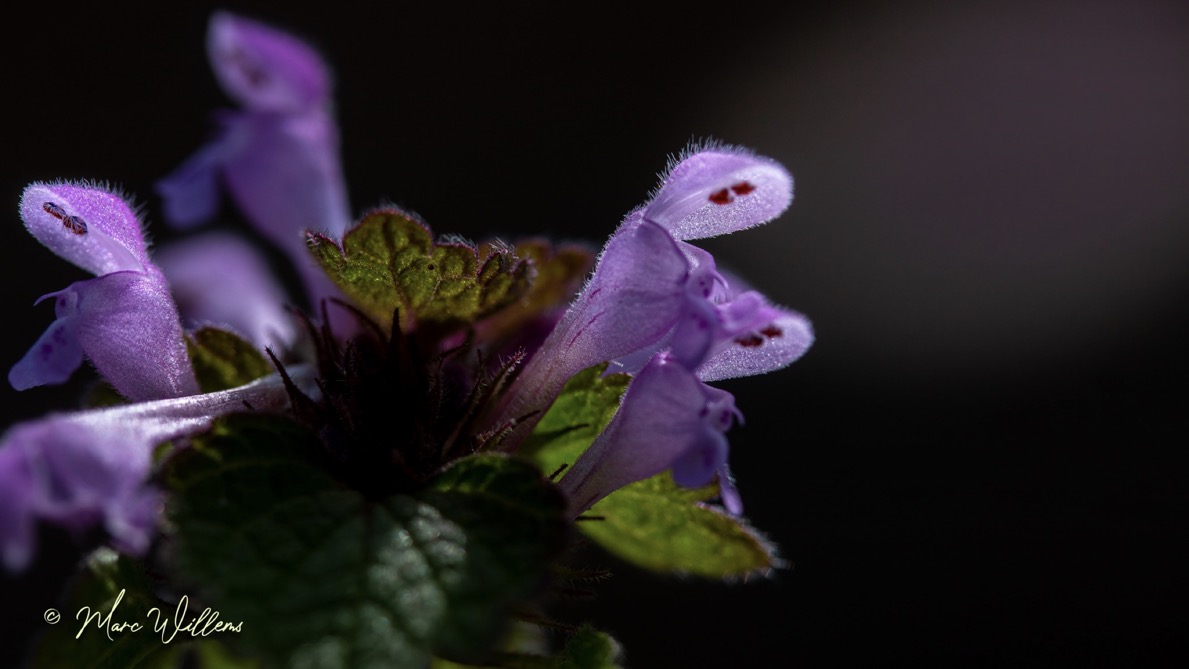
(97, 587)
(222, 360)
(577, 416)
(661, 526)
(390, 261)
(323, 577)
(558, 272)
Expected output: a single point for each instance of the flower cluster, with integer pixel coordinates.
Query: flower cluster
(655, 307)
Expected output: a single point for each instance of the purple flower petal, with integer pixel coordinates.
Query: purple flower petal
(124, 321)
(85, 224)
(728, 493)
(52, 359)
(219, 279)
(284, 173)
(631, 301)
(91, 467)
(190, 196)
(668, 419)
(263, 68)
(782, 340)
(17, 533)
(126, 324)
(279, 156)
(718, 191)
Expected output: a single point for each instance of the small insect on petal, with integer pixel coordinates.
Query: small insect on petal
(54, 210)
(75, 224)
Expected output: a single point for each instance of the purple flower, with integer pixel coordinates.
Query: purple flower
(658, 307)
(669, 420)
(219, 279)
(651, 291)
(278, 155)
(82, 469)
(124, 321)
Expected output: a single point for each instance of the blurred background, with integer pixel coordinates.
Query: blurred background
(978, 462)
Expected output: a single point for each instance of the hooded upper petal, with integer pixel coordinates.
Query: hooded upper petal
(264, 68)
(718, 191)
(90, 226)
(124, 320)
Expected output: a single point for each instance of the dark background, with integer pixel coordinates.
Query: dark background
(978, 463)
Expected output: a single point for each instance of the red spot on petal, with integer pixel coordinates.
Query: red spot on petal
(750, 341)
(772, 332)
(721, 197)
(743, 188)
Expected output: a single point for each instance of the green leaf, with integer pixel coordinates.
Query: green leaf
(390, 261)
(578, 415)
(222, 360)
(661, 526)
(79, 641)
(589, 649)
(213, 655)
(102, 395)
(321, 576)
(557, 276)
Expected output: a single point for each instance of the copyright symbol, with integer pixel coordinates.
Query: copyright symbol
(51, 616)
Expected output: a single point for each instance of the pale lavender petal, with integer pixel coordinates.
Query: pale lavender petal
(17, 535)
(127, 326)
(85, 224)
(728, 493)
(220, 279)
(667, 418)
(92, 467)
(190, 195)
(285, 175)
(776, 345)
(52, 359)
(630, 302)
(700, 462)
(718, 191)
(265, 69)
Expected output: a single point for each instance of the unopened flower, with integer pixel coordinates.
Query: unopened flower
(124, 320)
